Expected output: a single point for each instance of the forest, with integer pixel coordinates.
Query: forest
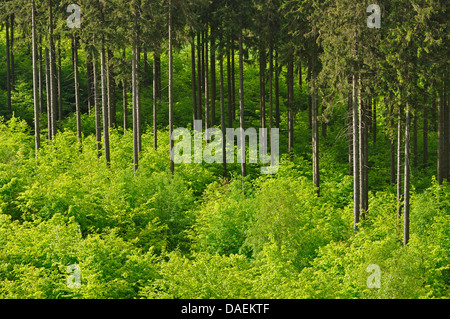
(94, 204)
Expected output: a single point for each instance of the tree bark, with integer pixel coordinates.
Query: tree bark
(172, 165)
(441, 140)
(125, 98)
(37, 136)
(193, 83)
(47, 94)
(59, 85)
(8, 69)
(399, 163)
(77, 88)
(41, 82)
(229, 93)
(206, 82)
(425, 133)
(222, 110)
(213, 77)
(105, 105)
(277, 90)
(356, 186)
(199, 77)
(407, 176)
(315, 125)
(241, 109)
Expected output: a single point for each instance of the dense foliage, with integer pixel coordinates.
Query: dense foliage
(151, 235)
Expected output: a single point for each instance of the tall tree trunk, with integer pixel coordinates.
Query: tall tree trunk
(407, 177)
(13, 68)
(233, 82)
(125, 97)
(199, 77)
(399, 164)
(41, 82)
(77, 86)
(222, 110)
(315, 125)
(206, 81)
(134, 89)
(193, 83)
(356, 186)
(172, 164)
(262, 86)
(309, 96)
(53, 101)
(105, 105)
(350, 132)
(441, 139)
(98, 133)
(8, 69)
(241, 108)
(213, 77)
(47, 94)
(277, 90)
(446, 132)
(229, 93)
(270, 93)
(37, 136)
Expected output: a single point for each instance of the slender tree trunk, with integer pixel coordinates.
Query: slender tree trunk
(399, 164)
(41, 82)
(270, 92)
(350, 132)
(241, 109)
(193, 83)
(172, 164)
(233, 82)
(8, 69)
(13, 73)
(199, 76)
(262, 86)
(125, 98)
(47, 94)
(213, 78)
(356, 186)
(37, 136)
(315, 125)
(134, 90)
(138, 94)
(53, 100)
(77, 86)
(105, 105)
(98, 133)
(446, 131)
(309, 97)
(441, 139)
(277, 90)
(407, 176)
(222, 110)
(206, 81)
(229, 93)
(414, 138)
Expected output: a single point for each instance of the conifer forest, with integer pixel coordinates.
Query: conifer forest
(224, 149)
